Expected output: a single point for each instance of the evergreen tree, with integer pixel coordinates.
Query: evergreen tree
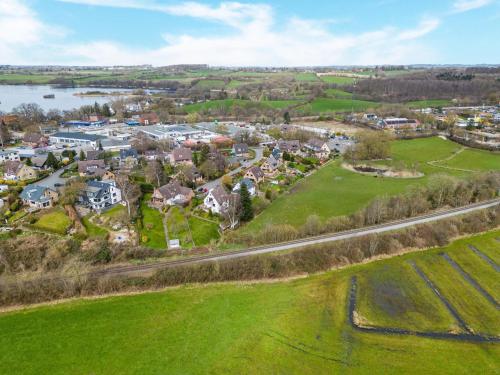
(246, 204)
(82, 155)
(29, 163)
(205, 150)
(100, 146)
(196, 159)
(52, 161)
(286, 117)
(106, 111)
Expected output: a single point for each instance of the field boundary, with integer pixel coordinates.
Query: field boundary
(470, 280)
(485, 257)
(466, 337)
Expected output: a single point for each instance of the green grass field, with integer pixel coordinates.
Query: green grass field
(228, 104)
(339, 94)
(55, 221)
(92, 229)
(334, 191)
(394, 296)
(178, 227)
(203, 231)
(338, 80)
(433, 103)
(152, 226)
(292, 327)
(306, 77)
(479, 314)
(210, 84)
(475, 160)
(325, 105)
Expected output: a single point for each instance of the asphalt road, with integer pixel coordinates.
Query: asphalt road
(259, 154)
(439, 215)
(54, 178)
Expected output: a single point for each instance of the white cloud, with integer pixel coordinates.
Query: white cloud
(21, 30)
(255, 39)
(460, 6)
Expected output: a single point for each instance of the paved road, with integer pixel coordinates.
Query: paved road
(259, 154)
(54, 178)
(303, 242)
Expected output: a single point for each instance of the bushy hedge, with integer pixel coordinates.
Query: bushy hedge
(277, 265)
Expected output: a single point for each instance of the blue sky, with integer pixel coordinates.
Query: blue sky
(263, 33)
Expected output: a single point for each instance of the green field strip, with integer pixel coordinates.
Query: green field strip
(394, 296)
(481, 317)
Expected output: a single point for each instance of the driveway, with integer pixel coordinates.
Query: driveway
(259, 154)
(54, 178)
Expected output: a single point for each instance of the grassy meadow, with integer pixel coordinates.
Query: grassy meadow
(290, 327)
(152, 233)
(335, 191)
(56, 221)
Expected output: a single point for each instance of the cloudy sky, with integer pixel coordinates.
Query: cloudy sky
(262, 33)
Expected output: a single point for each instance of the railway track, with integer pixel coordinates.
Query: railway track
(394, 225)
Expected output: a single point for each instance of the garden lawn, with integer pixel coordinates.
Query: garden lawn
(92, 229)
(203, 231)
(55, 221)
(293, 327)
(178, 227)
(152, 226)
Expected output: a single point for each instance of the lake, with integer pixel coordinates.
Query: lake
(13, 95)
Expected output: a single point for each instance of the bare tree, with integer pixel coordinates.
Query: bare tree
(130, 192)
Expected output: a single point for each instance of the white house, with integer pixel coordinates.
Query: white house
(217, 200)
(99, 195)
(9, 155)
(249, 184)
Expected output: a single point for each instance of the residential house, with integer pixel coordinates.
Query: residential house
(35, 140)
(39, 161)
(37, 196)
(318, 148)
(172, 194)
(94, 154)
(128, 158)
(99, 195)
(241, 150)
(9, 155)
(108, 175)
(219, 201)
(291, 147)
(91, 168)
(190, 174)
(181, 156)
(148, 119)
(17, 171)
(248, 183)
(255, 174)
(270, 166)
(154, 155)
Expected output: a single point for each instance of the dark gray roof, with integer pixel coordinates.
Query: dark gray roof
(34, 193)
(77, 135)
(173, 189)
